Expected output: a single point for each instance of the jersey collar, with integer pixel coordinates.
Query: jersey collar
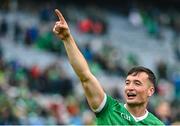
(137, 119)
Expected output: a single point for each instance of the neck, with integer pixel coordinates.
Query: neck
(136, 110)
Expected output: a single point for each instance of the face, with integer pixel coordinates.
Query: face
(138, 89)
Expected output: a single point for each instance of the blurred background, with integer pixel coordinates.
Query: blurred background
(38, 85)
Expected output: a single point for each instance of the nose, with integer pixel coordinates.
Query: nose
(130, 86)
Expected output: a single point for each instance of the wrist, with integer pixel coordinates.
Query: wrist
(67, 38)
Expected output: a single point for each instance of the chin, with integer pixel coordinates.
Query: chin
(132, 102)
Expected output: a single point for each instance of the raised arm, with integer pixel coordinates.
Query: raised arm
(92, 88)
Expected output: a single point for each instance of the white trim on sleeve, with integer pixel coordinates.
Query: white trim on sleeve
(101, 105)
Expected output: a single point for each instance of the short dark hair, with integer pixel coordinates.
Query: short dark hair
(138, 69)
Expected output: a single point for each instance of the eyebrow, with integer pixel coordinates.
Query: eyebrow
(133, 80)
(138, 81)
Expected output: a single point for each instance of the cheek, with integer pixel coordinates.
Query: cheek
(142, 92)
(125, 89)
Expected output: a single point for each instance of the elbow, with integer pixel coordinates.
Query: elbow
(84, 79)
(85, 76)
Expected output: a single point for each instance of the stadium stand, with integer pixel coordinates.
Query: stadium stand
(37, 84)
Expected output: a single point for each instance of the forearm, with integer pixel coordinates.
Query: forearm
(76, 58)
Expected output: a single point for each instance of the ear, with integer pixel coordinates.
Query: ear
(150, 91)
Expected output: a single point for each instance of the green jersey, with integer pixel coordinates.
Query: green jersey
(114, 113)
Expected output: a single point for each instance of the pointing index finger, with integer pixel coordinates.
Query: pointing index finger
(60, 16)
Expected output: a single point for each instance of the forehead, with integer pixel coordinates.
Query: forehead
(141, 76)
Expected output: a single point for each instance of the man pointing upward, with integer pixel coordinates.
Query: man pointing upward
(139, 86)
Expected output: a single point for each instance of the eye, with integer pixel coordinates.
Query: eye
(137, 83)
(126, 83)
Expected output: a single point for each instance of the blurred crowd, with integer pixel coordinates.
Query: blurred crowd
(30, 95)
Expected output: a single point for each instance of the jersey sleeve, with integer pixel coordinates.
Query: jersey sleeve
(101, 105)
(109, 103)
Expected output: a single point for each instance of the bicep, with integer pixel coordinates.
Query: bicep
(93, 91)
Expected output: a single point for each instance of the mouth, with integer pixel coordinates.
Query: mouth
(131, 95)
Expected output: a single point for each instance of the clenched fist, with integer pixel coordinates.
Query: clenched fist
(61, 28)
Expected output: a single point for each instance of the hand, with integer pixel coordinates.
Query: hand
(61, 28)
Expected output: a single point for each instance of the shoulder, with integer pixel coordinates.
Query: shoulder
(154, 120)
(110, 104)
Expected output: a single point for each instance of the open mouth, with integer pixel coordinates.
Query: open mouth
(131, 95)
